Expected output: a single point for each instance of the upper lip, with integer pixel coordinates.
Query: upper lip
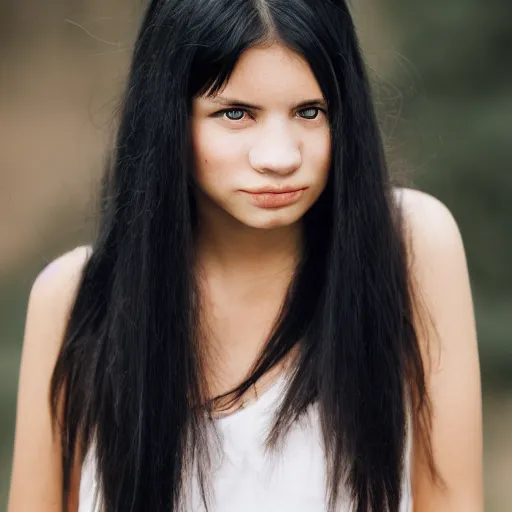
(274, 190)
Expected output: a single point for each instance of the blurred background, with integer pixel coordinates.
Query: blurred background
(441, 75)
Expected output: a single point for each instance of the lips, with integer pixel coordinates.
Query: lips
(270, 198)
(275, 190)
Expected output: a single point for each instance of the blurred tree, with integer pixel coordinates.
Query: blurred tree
(454, 71)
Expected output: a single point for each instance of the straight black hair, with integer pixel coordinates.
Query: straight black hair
(129, 381)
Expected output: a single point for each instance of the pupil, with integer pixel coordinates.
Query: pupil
(310, 112)
(235, 114)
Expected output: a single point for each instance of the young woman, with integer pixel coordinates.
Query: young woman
(263, 322)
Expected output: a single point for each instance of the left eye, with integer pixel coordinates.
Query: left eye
(310, 113)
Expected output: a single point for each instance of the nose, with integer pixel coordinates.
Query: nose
(275, 151)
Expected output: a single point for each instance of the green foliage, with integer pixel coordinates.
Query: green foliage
(453, 69)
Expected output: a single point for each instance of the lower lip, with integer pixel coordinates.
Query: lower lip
(276, 200)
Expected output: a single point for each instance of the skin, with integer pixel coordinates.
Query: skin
(450, 355)
(246, 252)
(246, 256)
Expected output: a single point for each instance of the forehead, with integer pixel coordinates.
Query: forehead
(272, 73)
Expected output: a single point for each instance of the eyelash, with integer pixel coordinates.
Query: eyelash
(222, 113)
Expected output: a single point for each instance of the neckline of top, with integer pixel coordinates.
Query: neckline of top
(264, 398)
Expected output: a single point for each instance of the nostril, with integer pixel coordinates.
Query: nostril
(277, 161)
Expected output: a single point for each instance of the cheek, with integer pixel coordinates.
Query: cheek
(216, 156)
(318, 150)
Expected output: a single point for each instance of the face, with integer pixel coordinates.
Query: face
(262, 144)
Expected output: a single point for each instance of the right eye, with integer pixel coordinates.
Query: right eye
(234, 114)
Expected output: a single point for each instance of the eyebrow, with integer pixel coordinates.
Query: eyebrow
(240, 104)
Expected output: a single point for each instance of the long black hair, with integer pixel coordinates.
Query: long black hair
(130, 380)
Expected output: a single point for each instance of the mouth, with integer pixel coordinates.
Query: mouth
(270, 198)
(275, 190)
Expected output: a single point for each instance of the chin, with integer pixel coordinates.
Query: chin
(270, 225)
(272, 220)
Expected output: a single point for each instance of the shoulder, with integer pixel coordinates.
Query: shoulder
(61, 276)
(36, 456)
(51, 298)
(434, 246)
(437, 265)
(439, 272)
(49, 303)
(54, 288)
(429, 224)
(52, 295)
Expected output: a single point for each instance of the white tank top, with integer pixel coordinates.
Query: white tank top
(247, 478)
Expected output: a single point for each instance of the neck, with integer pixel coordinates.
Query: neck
(231, 249)
(244, 273)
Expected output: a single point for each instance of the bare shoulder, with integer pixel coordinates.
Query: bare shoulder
(36, 450)
(436, 254)
(437, 258)
(51, 297)
(430, 224)
(439, 268)
(60, 277)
